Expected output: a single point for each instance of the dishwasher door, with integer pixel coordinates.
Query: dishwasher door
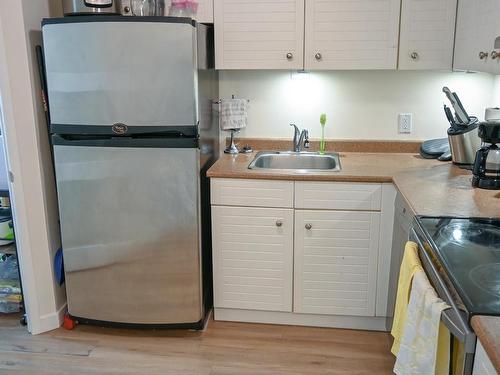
(130, 228)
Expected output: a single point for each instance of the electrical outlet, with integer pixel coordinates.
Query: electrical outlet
(405, 123)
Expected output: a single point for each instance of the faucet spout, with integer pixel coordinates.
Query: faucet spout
(296, 136)
(300, 138)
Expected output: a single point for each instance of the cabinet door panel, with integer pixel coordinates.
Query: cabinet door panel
(357, 34)
(259, 34)
(427, 34)
(482, 363)
(205, 12)
(335, 262)
(474, 38)
(253, 258)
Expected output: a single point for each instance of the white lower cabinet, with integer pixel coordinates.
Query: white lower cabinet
(335, 262)
(253, 258)
(314, 256)
(482, 363)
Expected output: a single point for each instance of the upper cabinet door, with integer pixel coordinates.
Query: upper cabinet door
(205, 12)
(259, 34)
(477, 30)
(355, 34)
(427, 34)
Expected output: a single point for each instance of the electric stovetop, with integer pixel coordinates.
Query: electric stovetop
(469, 252)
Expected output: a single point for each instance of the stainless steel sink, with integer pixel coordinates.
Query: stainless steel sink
(299, 161)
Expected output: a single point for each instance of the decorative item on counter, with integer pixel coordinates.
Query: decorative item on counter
(233, 116)
(183, 8)
(322, 143)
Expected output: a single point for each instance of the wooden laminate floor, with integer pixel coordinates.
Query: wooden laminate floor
(223, 349)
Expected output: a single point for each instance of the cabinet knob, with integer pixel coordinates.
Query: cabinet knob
(279, 223)
(483, 55)
(318, 56)
(289, 56)
(495, 55)
(414, 55)
(308, 226)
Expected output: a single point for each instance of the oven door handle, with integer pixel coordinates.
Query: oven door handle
(452, 317)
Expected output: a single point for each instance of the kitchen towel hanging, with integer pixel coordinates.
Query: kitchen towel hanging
(425, 345)
(233, 114)
(409, 265)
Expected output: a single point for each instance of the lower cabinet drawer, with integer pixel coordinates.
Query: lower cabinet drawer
(252, 258)
(252, 193)
(335, 262)
(338, 196)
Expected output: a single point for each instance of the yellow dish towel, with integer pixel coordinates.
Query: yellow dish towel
(409, 265)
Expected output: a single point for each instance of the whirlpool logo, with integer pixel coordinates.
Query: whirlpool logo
(119, 128)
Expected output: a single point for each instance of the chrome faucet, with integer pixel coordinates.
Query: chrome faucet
(300, 138)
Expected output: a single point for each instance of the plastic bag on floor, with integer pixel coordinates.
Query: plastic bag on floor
(9, 269)
(10, 286)
(9, 307)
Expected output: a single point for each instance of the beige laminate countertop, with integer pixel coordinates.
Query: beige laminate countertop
(431, 188)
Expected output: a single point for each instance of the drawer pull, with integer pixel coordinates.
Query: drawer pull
(279, 223)
(308, 226)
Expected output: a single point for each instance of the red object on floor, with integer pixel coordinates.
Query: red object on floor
(69, 323)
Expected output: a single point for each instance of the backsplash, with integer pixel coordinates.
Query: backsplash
(359, 104)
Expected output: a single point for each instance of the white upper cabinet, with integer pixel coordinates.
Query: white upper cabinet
(259, 34)
(427, 34)
(205, 12)
(477, 30)
(355, 34)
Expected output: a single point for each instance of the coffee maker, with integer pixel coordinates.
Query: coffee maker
(486, 169)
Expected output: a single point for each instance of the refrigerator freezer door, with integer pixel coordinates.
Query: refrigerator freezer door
(137, 73)
(130, 231)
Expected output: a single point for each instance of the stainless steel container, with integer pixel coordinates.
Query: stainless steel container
(75, 7)
(464, 143)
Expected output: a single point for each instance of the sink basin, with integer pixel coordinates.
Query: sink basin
(299, 161)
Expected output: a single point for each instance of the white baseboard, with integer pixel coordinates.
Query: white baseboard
(50, 321)
(312, 320)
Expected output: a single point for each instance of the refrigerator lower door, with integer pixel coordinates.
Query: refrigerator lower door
(131, 233)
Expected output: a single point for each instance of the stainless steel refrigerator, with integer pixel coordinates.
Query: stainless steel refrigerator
(133, 134)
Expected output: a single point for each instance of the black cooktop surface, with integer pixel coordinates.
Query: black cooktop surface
(469, 251)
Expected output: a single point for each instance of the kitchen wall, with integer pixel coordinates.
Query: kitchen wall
(496, 92)
(359, 104)
(33, 190)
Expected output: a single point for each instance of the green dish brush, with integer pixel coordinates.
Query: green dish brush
(322, 143)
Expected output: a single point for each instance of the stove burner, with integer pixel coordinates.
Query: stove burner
(476, 233)
(487, 278)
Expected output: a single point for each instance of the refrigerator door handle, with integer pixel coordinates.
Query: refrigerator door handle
(132, 142)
